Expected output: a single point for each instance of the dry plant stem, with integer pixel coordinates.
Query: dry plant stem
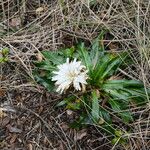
(48, 126)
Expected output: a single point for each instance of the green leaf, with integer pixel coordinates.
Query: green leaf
(92, 2)
(100, 68)
(97, 46)
(1, 60)
(105, 68)
(80, 122)
(111, 68)
(84, 55)
(5, 51)
(45, 65)
(118, 94)
(105, 115)
(62, 103)
(69, 52)
(118, 133)
(115, 140)
(54, 57)
(126, 90)
(73, 106)
(95, 106)
(4, 55)
(120, 84)
(66, 100)
(47, 83)
(126, 116)
(108, 128)
(115, 105)
(121, 110)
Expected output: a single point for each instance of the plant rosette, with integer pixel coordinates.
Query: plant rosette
(87, 80)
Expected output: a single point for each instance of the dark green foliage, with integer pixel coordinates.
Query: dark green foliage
(104, 98)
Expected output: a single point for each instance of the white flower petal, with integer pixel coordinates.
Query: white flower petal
(76, 86)
(70, 73)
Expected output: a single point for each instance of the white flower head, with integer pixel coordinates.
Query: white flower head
(70, 74)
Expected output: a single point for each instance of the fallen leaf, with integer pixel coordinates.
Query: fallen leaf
(13, 138)
(114, 78)
(4, 121)
(3, 144)
(30, 147)
(2, 92)
(13, 129)
(39, 10)
(113, 46)
(64, 126)
(47, 142)
(69, 112)
(61, 147)
(80, 135)
(39, 57)
(2, 113)
(15, 22)
(7, 108)
(41, 109)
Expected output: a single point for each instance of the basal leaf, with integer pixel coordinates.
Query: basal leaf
(105, 115)
(84, 55)
(111, 68)
(120, 84)
(121, 110)
(48, 84)
(97, 48)
(126, 116)
(45, 65)
(53, 57)
(100, 68)
(95, 106)
(68, 52)
(118, 94)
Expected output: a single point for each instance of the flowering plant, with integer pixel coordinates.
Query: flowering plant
(87, 79)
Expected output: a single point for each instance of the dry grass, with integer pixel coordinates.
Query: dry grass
(28, 27)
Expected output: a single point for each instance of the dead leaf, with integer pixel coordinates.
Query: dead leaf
(61, 147)
(13, 129)
(113, 46)
(80, 135)
(5, 121)
(69, 112)
(13, 138)
(15, 22)
(2, 113)
(2, 92)
(39, 10)
(64, 126)
(3, 144)
(39, 57)
(47, 142)
(114, 78)
(40, 110)
(30, 147)
(7, 108)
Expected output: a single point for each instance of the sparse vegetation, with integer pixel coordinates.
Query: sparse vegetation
(48, 32)
(105, 98)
